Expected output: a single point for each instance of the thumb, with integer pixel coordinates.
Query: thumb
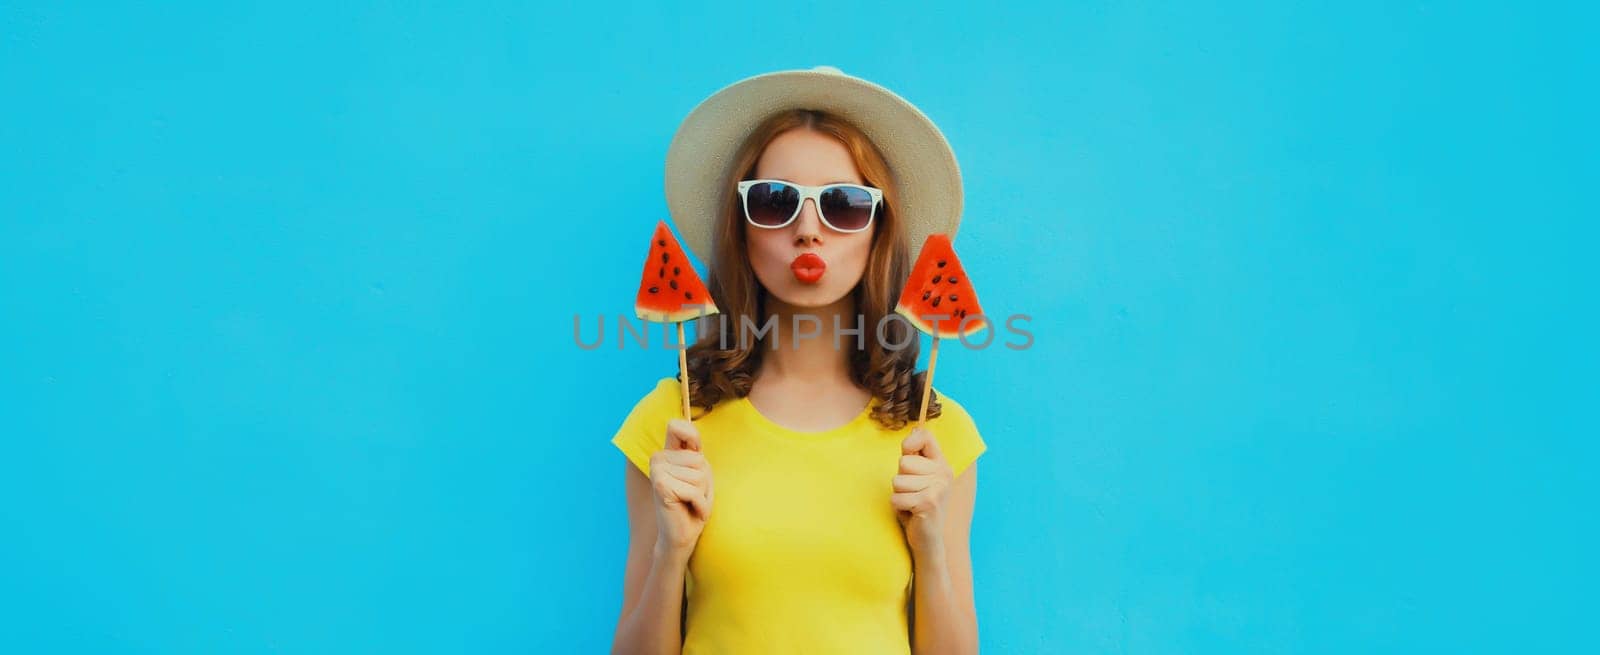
(682, 435)
(922, 442)
(916, 442)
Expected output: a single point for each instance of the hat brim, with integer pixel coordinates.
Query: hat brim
(927, 179)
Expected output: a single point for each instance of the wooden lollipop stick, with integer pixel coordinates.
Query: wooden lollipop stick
(927, 384)
(683, 371)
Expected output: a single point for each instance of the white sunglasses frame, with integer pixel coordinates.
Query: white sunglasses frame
(814, 193)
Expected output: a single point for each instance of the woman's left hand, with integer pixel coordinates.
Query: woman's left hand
(920, 490)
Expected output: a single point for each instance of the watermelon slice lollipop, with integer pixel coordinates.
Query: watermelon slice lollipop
(671, 292)
(939, 300)
(939, 287)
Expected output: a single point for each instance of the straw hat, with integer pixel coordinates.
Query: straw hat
(927, 180)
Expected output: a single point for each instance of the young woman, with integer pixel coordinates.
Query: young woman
(801, 511)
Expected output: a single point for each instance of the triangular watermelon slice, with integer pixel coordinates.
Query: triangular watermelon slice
(669, 290)
(939, 286)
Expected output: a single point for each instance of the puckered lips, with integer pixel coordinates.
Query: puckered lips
(808, 268)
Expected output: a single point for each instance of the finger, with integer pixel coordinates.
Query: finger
(682, 435)
(930, 448)
(913, 443)
(908, 501)
(673, 490)
(690, 475)
(700, 506)
(701, 499)
(689, 458)
(691, 497)
(688, 466)
(909, 483)
(918, 465)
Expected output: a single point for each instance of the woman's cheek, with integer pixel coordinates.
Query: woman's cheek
(857, 263)
(771, 268)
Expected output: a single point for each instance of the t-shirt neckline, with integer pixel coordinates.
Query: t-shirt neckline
(755, 414)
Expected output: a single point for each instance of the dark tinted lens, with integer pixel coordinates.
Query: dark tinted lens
(771, 203)
(846, 208)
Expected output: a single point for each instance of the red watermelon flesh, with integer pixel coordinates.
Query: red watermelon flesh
(669, 290)
(939, 286)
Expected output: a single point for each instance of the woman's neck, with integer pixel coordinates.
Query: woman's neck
(808, 346)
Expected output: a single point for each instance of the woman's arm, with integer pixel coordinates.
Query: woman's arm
(666, 514)
(652, 590)
(944, 619)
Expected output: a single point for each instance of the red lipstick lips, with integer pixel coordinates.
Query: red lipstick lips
(808, 268)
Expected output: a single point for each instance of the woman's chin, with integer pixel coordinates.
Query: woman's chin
(808, 296)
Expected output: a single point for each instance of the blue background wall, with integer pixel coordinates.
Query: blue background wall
(287, 291)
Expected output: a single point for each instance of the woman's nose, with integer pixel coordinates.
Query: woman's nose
(807, 226)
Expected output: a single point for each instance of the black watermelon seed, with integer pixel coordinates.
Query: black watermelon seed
(654, 289)
(952, 279)
(673, 284)
(925, 294)
(661, 242)
(675, 270)
(689, 295)
(662, 272)
(941, 263)
(952, 297)
(935, 301)
(935, 279)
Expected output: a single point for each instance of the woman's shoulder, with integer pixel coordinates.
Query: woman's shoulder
(664, 386)
(950, 409)
(957, 433)
(644, 429)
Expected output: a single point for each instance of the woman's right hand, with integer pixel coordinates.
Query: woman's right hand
(681, 479)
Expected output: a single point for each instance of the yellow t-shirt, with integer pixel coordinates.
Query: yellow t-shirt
(802, 552)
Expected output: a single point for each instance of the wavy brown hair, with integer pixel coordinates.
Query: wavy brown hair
(717, 373)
